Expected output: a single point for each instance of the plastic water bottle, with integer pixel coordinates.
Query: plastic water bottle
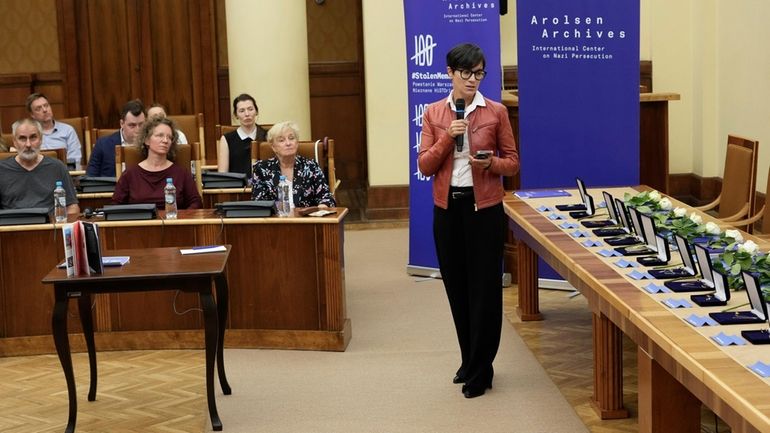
(59, 203)
(169, 193)
(284, 195)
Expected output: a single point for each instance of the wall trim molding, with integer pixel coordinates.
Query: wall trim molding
(392, 201)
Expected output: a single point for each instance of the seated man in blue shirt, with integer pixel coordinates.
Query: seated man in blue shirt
(102, 162)
(56, 135)
(29, 178)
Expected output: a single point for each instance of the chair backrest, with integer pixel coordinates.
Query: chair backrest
(192, 126)
(322, 151)
(82, 127)
(186, 156)
(8, 139)
(220, 130)
(60, 154)
(739, 182)
(97, 134)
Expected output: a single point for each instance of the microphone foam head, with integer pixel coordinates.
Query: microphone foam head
(460, 104)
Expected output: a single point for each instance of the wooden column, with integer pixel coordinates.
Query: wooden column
(608, 369)
(665, 405)
(529, 304)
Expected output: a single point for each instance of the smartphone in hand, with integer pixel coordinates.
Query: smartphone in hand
(482, 154)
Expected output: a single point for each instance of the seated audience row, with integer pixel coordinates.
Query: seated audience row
(158, 138)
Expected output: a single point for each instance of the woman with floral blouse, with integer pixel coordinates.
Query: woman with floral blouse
(308, 184)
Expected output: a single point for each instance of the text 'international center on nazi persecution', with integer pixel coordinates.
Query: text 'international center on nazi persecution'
(568, 37)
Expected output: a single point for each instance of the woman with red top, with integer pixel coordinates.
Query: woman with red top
(144, 183)
(468, 219)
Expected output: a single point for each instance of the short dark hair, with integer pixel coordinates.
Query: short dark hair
(465, 56)
(134, 107)
(241, 98)
(34, 97)
(149, 127)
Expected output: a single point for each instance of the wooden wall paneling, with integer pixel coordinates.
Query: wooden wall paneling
(109, 59)
(283, 300)
(35, 303)
(206, 81)
(66, 16)
(14, 89)
(336, 100)
(156, 310)
(387, 202)
(653, 145)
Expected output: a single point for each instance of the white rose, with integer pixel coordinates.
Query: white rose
(680, 212)
(665, 204)
(735, 234)
(749, 247)
(697, 219)
(654, 196)
(712, 228)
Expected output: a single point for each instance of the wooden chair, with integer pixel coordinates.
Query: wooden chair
(739, 183)
(82, 127)
(186, 156)
(97, 134)
(221, 130)
(192, 126)
(762, 214)
(60, 154)
(322, 151)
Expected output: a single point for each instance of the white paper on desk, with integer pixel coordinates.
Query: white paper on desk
(204, 250)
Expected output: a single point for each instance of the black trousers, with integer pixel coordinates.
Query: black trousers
(469, 245)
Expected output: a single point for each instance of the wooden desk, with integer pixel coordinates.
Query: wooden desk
(286, 277)
(653, 137)
(678, 366)
(149, 270)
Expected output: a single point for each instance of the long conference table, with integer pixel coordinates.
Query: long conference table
(286, 279)
(679, 365)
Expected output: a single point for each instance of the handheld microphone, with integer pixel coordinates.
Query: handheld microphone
(460, 107)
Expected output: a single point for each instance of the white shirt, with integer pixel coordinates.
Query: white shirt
(461, 168)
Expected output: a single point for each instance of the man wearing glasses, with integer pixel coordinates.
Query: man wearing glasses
(467, 151)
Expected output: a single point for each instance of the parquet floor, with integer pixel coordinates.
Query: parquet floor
(562, 345)
(164, 391)
(138, 391)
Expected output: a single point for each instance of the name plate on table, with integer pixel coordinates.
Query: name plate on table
(245, 209)
(127, 212)
(32, 215)
(88, 184)
(215, 180)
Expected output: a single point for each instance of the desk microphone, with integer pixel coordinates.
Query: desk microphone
(460, 108)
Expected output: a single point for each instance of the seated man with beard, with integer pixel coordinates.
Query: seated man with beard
(28, 179)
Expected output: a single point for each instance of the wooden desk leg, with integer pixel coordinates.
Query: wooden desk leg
(211, 325)
(62, 343)
(529, 303)
(665, 405)
(87, 321)
(223, 300)
(608, 369)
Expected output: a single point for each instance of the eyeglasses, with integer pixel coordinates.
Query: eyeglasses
(466, 74)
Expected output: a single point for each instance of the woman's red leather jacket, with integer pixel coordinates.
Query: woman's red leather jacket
(489, 129)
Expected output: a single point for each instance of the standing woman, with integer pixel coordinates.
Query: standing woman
(234, 150)
(468, 219)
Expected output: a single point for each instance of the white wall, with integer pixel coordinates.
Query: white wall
(711, 52)
(387, 124)
(267, 53)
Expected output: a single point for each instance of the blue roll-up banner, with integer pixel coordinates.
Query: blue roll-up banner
(578, 93)
(433, 27)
